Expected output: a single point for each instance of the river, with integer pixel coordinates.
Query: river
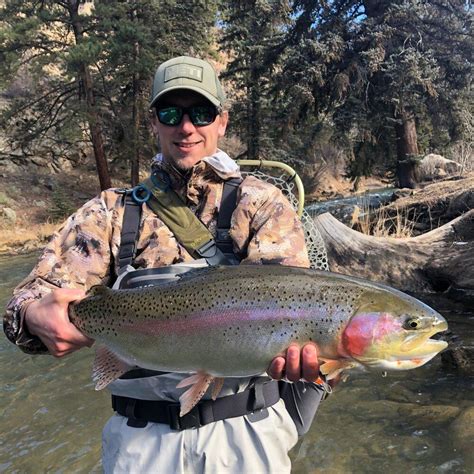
(51, 416)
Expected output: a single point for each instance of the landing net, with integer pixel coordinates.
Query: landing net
(314, 242)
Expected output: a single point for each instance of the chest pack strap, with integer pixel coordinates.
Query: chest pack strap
(190, 232)
(130, 228)
(227, 207)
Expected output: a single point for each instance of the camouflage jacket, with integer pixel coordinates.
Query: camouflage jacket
(83, 252)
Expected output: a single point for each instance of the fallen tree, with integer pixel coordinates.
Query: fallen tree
(434, 205)
(440, 261)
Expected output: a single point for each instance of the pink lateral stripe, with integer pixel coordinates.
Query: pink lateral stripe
(200, 321)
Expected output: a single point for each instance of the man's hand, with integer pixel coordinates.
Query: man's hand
(48, 319)
(298, 364)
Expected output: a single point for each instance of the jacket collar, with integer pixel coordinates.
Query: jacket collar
(217, 167)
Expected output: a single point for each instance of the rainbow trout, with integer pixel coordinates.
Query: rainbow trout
(232, 321)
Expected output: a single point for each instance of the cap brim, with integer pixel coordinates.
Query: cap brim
(205, 94)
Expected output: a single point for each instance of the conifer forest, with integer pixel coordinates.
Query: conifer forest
(372, 84)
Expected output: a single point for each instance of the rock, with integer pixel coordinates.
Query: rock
(4, 199)
(402, 193)
(9, 215)
(462, 436)
(409, 447)
(38, 161)
(39, 204)
(427, 416)
(49, 184)
(8, 168)
(434, 166)
(399, 393)
(462, 429)
(375, 409)
(63, 164)
(459, 357)
(414, 448)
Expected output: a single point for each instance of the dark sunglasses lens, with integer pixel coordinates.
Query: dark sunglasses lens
(203, 115)
(170, 115)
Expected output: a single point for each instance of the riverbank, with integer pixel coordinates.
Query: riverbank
(35, 203)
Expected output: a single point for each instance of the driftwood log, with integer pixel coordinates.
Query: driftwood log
(440, 261)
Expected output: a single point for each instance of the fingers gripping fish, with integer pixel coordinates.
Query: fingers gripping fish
(232, 321)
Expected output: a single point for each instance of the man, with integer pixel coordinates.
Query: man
(188, 117)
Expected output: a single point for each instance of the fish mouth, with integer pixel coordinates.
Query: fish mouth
(408, 360)
(421, 343)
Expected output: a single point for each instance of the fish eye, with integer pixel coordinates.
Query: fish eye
(412, 323)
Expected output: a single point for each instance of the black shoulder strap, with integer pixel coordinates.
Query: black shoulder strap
(130, 227)
(228, 204)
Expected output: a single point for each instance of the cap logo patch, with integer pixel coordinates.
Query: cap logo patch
(182, 71)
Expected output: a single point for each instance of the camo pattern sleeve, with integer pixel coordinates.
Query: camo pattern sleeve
(77, 256)
(265, 228)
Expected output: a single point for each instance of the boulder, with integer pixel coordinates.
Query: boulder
(9, 215)
(38, 161)
(63, 164)
(427, 416)
(434, 166)
(461, 433)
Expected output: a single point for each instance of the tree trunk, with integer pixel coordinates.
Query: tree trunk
(96, 131)
(92, 113)
(407, 150)
(135, 158)
(439, 261)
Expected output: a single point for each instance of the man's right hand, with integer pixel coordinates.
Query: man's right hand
(47, 318)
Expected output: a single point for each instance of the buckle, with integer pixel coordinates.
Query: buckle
(222, 235)
(192, 419)
(205, 250)
(141, 194)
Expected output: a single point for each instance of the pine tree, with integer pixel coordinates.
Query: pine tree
(378, 70)
(251, 34)
(48, 43)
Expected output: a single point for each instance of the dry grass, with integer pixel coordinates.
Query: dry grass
(382, 224)
(30, 237)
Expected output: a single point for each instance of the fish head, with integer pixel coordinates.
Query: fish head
(392, 331)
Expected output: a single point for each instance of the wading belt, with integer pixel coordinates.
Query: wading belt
(190, 232)
(253, 400)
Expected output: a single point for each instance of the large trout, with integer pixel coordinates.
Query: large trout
(232, 321)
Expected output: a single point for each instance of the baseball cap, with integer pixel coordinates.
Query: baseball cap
(190, 73)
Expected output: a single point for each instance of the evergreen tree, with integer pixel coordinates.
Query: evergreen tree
(379, 69)
(48, 42)
(252, 31)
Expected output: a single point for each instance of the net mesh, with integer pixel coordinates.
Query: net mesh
(316, 250)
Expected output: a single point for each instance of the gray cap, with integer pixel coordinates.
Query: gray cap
(185, 72)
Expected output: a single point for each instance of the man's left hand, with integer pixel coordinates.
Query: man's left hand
(298, 364)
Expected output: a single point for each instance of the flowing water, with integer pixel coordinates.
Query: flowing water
(51, 416)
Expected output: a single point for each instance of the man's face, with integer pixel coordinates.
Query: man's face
(186, 144)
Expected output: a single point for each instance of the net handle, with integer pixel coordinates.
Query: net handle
(293, 176)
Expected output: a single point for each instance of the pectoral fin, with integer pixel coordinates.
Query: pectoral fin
(333, 367)
(199, 384)
(107, 367)
(217, 384)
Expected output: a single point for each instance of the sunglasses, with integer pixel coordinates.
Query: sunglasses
(200, 115)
